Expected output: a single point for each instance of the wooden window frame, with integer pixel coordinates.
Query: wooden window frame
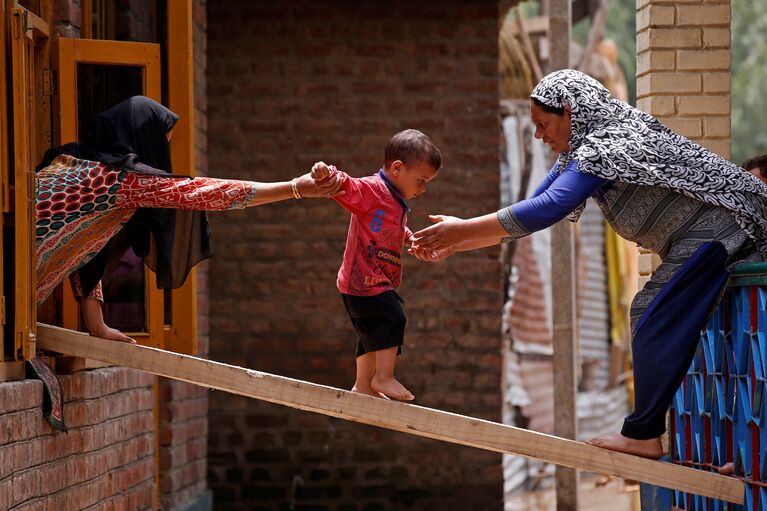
(5, 203)
(181, 334)
(146, 56)
(29, 56)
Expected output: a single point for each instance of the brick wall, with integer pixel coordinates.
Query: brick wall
(182, 443)
(683, 75)
(105, 458)
(183, 436)
(292, 83)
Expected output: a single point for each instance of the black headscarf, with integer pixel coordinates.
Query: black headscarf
(132, 136)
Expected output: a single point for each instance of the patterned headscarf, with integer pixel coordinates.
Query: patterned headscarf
(613, 140)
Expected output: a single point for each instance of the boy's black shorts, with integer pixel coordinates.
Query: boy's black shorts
(379, 321)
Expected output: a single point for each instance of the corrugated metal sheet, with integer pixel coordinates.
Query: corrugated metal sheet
(594, 325)
(529, 374)
(538, 377)
(601, 411)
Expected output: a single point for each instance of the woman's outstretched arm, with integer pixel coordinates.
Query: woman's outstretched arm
(211, 194)
(449, 231)
(305, 185)
(565, 193)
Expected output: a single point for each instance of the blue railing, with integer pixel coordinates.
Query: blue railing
(718, 415)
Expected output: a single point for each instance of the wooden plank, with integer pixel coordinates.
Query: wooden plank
(532, 25)
(407, 418)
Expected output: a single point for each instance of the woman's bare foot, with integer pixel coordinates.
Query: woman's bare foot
(391, 388)
(113, 335)
(616, 442)
(727, 469)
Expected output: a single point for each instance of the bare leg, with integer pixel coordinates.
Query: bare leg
(94, 322)
(651, 448)
(384, 381)
(366, 369)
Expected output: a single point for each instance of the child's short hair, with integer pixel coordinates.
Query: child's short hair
(412, 146)
(757, 162)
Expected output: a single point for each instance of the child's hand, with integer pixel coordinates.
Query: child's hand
(428, 255)
(321, 171)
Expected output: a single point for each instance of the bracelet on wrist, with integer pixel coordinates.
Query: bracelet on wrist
(294, 187)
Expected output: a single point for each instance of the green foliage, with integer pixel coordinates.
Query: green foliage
(621, 28)
(749, 79)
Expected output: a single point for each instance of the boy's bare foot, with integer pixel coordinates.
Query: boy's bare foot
(367, 391)
(391, 388)
(727, 469)
(616, 442)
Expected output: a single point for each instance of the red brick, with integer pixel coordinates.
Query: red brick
(6, 489)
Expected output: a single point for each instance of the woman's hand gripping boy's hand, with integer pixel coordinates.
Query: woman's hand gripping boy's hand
(321, 172)
(425, 254)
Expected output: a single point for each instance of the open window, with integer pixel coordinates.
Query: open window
(26, 35)
(93, 75)
(51, 88)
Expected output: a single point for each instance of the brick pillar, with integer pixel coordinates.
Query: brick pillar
(683, 75)
(683, 68)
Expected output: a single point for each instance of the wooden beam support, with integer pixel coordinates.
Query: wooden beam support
(407, 418)
(563, 287)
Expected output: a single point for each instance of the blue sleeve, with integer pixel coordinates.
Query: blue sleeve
(550, 177)
(564, 194)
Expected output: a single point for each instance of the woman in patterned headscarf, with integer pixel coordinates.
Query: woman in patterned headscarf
(114, 190)
(699, 212)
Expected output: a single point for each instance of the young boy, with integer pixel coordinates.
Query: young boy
(372, 267)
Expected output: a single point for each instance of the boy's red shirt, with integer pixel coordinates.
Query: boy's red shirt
(377, 232)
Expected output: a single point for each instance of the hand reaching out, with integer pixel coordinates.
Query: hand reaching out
(429, 256)
(321, 171)
(329, 186)
(446, 232)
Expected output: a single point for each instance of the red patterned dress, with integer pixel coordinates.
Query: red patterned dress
(81, 204)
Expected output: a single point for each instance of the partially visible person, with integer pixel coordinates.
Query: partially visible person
(114, 190)
(372, 266)
(757, 166)
(699, 212)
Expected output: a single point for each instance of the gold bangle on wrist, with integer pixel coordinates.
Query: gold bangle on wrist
(294, 187)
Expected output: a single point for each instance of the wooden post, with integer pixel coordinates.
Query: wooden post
(563, 277)
(403, 417)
